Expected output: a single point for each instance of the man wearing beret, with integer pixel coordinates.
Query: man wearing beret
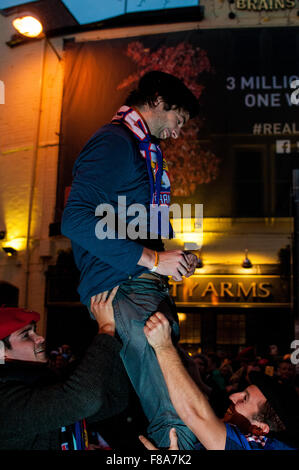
(264, 416)
(37, 411)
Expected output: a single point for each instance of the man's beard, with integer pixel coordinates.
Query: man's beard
(232, 417)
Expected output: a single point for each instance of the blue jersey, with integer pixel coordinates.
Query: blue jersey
(235, 440)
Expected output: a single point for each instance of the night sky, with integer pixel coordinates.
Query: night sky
(89, 11)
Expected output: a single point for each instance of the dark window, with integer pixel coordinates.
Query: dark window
(248, 184)
(284, 165)
(231, 329)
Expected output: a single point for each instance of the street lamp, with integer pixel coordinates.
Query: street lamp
(31, 27)
(28, 26)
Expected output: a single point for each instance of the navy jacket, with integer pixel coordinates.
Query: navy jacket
(110, 165)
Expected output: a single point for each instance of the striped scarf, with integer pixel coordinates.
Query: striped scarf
(156, 164)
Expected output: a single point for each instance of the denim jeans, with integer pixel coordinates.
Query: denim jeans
(135, 302)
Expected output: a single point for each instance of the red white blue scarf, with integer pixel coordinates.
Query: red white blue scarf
(156, 164)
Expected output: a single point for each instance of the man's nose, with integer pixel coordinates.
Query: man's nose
(235, 397)
(38, 339)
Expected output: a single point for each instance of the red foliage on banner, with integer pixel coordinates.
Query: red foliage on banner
(190, 164)
(184, 61)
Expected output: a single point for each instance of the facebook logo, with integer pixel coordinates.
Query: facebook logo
(283, 146)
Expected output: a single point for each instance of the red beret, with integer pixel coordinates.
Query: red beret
(12, 319)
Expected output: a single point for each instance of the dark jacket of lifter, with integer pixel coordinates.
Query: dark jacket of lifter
(32, 412)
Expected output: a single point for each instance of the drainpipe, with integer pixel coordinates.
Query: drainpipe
(33, 175)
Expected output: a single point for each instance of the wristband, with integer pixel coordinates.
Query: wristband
(155, 267)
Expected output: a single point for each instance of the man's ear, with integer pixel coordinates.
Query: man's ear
(259, 428)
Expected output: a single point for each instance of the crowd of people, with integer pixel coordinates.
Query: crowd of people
(220, 375)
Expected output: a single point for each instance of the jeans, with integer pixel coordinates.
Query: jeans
(134, 303)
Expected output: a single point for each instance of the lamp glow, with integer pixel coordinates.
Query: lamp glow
(182, 317)
(246, 262)
(28, 26)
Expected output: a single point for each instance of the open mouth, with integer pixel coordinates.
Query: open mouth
(38, 351)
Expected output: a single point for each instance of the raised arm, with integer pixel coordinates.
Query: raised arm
(188, 400)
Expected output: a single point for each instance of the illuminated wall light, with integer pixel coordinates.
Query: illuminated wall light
(246, 262)
(190, 237)
(182, 317)
(28, 26)
(18, 244)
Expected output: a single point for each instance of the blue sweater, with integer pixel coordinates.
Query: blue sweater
(109, 165)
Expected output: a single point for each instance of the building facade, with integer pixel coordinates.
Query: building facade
(245, 197)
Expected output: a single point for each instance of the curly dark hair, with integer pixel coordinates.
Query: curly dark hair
(268, 415)
(173, 91)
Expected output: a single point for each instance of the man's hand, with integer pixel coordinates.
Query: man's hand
(172, 437)
(175, 263)
(101, 307)
(158, 331)
(192, 260)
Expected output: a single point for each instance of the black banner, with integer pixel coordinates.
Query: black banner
(236, 158)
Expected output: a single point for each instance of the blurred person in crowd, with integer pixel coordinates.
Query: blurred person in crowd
(270, 409)
(286, 372)
(248, 363)
(196, 366)
(60, 358)
(273, 355)
(202, 364)
(226, 372)
(41, 412)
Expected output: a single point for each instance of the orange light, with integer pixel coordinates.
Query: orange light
(28, 26)
(182, 316)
